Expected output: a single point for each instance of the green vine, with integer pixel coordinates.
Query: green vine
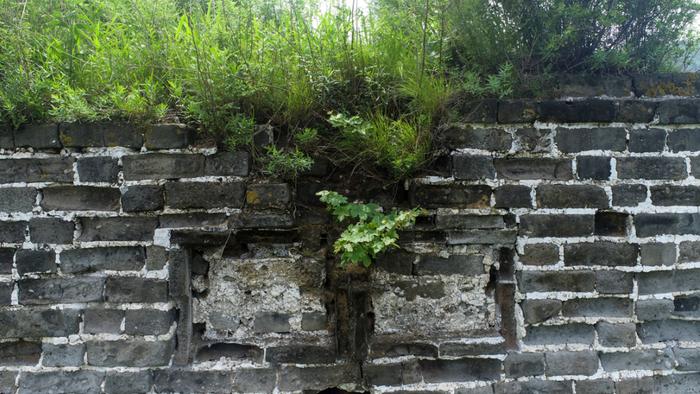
(372, 232)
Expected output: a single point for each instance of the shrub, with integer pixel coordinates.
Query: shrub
(372, 231)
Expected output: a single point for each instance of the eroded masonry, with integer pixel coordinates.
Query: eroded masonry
(561, 254)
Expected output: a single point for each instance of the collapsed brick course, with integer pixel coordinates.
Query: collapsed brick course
(561, 253)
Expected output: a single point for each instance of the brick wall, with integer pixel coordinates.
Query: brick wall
(560, 255)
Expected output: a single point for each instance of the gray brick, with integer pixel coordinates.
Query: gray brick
(643, 385)
(611, 254)
(533, 140)
(516, 111)
(588, 110)
(613, 224)
(162, 166)
(571, 363)
(571, 196)
(613, 282)
(103, 321)
(501, 237)
(60, 290)
(579, 140)
(136, 290)
(313, 321)
(395, 374)
(227, 164)
(677, 383)
(637, 359)
(681, 140)
(540, 254)
(38, 136)
(536, 311)
(559, 335)
(556, 225)
(169, 136)
(650, 224)
(7, 378)
(7, 138)
(148, 321)
(115, 258)
(129, 353)
(647, 140)
(38, 323)
(95, 134)
(534, 386)
(392, 349)
(127, 382)
(55, 169)
(7, 256)
(453, 265)
(687, 305)
(63, 355)
(651, 168)
(194, 219)
(460, 349)
(454, 196)
(598, 386)
(98, 169)
(6, 289)
(229, 351)
(688, 359)
(51, 230)
(322, 377)
(513, 196)
(616, 335)
(156, 258)
(689, 251)
(271, 322)
(524, 364)
(470, 167)
(17, 199)
(593, 167)
(669, 195)
(628, 195)
(143, 198)
(654, 309)
(460, 370)
(204, 195)
(679, 111)
(300, 354)
(533, 168)
(456, 221)
(254, 380)
(669, 330)
(19, 353)
(658, 254)
(668, 281)
(117, 228)
(167, 381)
(530, 281)
(35, 261)
(268, 195)
(84, 382)
(12, 232)
(459, 135)
(598, 307)
(80, 198)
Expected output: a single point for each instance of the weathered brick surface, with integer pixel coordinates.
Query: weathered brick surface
(558, 252)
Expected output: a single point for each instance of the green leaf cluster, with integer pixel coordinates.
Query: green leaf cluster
(371, 230)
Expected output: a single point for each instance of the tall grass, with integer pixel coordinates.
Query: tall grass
(225, 65)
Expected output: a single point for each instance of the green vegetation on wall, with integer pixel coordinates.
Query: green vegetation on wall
(372, 82)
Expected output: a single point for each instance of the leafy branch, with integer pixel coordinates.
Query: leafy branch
(372, 232)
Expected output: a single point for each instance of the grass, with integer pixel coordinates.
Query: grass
(226, 65)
